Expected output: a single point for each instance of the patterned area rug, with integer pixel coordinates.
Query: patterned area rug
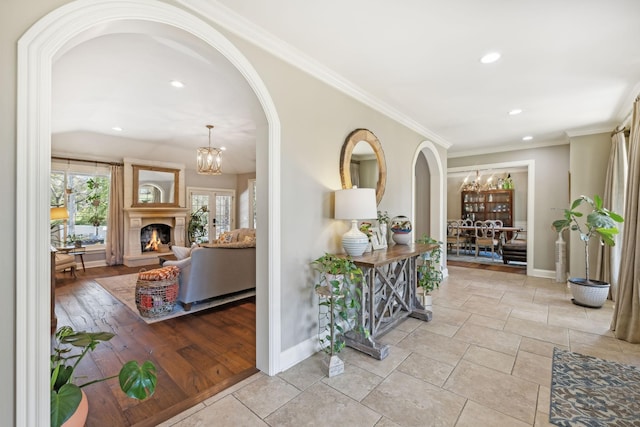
(123, 288)
(587, 391)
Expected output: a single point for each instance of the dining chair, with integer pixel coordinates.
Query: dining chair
(486, 237)
(455, 238)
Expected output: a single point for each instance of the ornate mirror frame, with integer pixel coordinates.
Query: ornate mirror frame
(136, 186)
(350, 143)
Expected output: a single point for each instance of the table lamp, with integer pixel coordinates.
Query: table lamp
(60, 213)
(354, 204)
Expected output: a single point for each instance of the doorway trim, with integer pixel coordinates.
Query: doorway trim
(531, 191)
(36, 50)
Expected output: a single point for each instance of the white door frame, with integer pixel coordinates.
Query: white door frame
(36, 50)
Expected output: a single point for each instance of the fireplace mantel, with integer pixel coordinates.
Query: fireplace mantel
(138, 217)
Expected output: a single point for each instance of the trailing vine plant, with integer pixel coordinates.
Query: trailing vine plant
(430, 271)
(339, 290)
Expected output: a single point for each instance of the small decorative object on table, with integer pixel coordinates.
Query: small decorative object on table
(157, 291)
(383, 224)
(401, 229)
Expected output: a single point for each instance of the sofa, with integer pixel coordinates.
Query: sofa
(224, 267)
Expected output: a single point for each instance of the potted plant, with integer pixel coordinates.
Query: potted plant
(430, 270)
(600, 223)
(340, 296)
(67, 398)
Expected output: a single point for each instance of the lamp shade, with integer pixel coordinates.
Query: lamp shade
(59, 213)
(356, 203)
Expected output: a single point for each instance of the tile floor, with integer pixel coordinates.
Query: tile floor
(484, 360)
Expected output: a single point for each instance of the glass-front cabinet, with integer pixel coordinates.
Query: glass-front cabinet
(488, 204)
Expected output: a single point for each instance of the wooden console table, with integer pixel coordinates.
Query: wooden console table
(391, 274)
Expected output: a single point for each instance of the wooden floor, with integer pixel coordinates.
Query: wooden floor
(494, 267)
(197, 355)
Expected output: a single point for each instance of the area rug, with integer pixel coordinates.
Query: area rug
(587, 391)
(123, 288)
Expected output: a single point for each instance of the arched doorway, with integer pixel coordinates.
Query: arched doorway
(36, 50)
(429, 194)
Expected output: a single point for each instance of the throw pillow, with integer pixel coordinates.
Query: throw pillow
(181, 252)
(225, 238)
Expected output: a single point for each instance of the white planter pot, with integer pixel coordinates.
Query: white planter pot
(591, 294)
(427, 302)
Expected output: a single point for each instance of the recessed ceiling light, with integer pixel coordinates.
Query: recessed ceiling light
(490, 57)
(223, 148)
(527, 138)
(177, 83)
(515, 112)
(117, 128)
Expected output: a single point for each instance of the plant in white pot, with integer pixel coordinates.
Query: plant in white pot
(340, 298)
(430, 270)
(600, 223)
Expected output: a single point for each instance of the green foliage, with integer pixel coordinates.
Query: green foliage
(197, 228)
(136, 381)
(430, 271)
(339, 291)
(600, 223)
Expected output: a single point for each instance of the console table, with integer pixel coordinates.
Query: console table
(391, 275)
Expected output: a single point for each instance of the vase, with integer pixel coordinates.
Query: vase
(79, 417)
(383, 233)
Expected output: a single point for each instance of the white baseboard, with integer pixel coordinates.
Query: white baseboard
(548, 274)
(296, 354)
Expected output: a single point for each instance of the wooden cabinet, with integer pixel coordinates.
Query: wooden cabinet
(489, 204)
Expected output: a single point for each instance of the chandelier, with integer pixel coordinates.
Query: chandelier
(209, 159)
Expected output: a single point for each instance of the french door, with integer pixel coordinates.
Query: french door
(219, 214)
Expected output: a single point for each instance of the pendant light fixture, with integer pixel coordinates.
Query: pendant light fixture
(209, 159)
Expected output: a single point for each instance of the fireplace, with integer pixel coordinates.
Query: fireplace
(169, 225)
(155, 237)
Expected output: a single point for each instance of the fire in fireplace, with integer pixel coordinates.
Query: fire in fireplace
(155, 237)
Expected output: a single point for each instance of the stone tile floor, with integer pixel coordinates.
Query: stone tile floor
(484, 360)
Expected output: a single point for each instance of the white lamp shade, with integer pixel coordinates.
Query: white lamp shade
(356, 203)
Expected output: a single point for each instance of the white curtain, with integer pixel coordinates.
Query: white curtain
(626, 314)
(114, 247)
(609, 257)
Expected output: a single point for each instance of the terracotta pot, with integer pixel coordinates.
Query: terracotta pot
(79, 417)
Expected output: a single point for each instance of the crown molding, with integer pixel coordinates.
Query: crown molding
(592, 131)
(504, 148)
(247, 30)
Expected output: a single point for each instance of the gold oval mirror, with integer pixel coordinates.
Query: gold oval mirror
(362, 162)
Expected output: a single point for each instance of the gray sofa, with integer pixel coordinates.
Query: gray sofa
(214, 271)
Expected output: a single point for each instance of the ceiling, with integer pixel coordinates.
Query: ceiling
(572, 67)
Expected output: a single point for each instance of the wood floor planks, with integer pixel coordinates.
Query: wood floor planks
(197, 355)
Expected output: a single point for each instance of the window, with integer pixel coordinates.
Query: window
(84, 190)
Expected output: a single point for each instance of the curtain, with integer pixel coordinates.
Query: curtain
(626, 313)
(114, 247)
(609, 257)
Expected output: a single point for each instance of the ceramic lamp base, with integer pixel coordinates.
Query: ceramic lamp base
(354, 241)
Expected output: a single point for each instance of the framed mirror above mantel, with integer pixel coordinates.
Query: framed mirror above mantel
(362, 162)
(155, 186)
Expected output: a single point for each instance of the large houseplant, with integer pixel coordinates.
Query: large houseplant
(337, 287)
(136, 381)
(601, 224)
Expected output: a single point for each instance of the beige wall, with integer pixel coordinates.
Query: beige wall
(588, 166)
(315, 120)
(423, 199)
(551, 192)
(242, 199)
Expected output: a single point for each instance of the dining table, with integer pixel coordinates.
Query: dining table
(506, 233)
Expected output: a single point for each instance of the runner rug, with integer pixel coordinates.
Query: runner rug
(123, 288)
(587, 391)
